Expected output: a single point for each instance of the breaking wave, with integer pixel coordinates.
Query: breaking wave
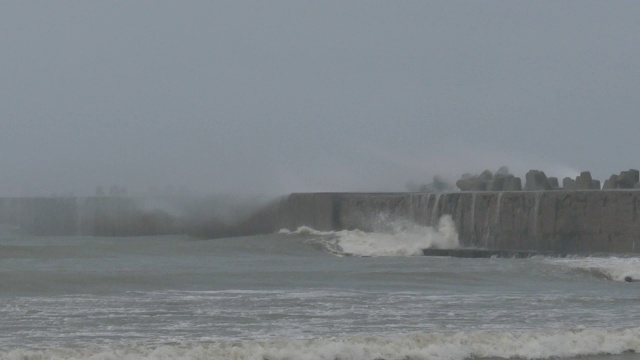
(611, 268)
(399, 238)
(417, 346)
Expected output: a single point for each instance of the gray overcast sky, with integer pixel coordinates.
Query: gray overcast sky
(283, 96)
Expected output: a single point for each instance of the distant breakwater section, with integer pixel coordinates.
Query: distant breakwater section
(205, 216)
(90, 216)
(586, 221)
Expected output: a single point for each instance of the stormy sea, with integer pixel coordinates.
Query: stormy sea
(305, 294)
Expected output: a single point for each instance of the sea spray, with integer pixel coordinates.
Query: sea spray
(398, 238)
(487, 230)
(473, 213)
(496, 221)
(435, 210)
(418, 346)
(499, 207)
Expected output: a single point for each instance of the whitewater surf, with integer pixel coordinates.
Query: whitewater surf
(306, 294)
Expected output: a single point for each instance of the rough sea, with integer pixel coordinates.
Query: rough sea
(304, 294)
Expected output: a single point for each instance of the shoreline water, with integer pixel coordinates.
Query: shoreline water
(295, 295)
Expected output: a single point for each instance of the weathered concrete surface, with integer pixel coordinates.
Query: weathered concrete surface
(548, 221)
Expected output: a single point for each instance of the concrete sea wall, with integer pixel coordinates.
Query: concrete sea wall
(587, 221)
(556, 221)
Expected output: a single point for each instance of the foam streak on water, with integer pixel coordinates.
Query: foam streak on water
(442, 346)
(611, 268)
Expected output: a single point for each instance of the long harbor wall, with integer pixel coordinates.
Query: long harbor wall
(589, 221)
(582, 221)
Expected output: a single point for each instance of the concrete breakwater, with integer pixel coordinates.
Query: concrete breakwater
(553, 221)
(587, 221)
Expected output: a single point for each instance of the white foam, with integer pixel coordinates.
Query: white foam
(399, 238)
(612, 268)
(442, 346)
(305, 230)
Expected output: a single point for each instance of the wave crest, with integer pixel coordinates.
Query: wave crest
(399, 238)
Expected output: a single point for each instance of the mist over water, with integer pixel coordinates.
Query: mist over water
(223, 97)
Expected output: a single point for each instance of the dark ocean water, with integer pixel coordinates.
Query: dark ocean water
(296, 295)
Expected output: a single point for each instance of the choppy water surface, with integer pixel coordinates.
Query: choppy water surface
(297, 295)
